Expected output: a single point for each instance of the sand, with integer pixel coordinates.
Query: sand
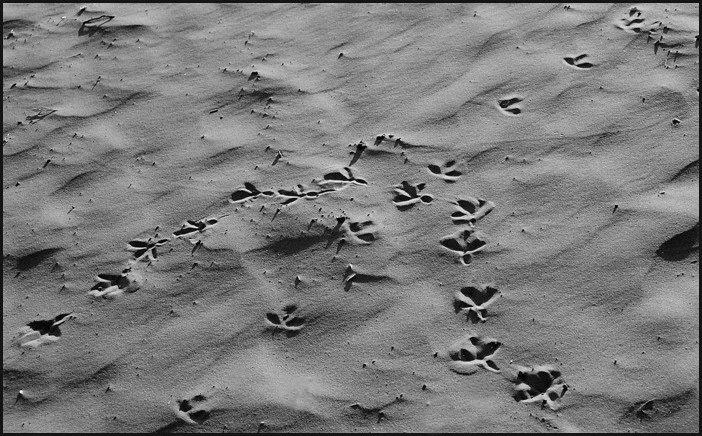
(350, 217)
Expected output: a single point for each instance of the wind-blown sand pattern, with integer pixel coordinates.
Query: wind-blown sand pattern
(350, 217)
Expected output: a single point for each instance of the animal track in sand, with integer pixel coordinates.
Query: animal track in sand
(288, 320)
(407, 195)
(447, 171)
(508, 107)
(247, 192)
(341, 179)
(193, 411)
(37, 333)
(112, 285)
(145, 248)
(473, 352)
(191, 227)
(632, 22)
(576, 61)
(474, 300)
(299, 192)
(361, 232)
(470, 210)
(352, 231)
(539, 384)
(466, 243)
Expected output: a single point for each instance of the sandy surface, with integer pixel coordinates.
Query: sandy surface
(350, 217)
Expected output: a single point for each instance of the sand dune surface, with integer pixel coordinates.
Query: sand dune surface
(350, 217)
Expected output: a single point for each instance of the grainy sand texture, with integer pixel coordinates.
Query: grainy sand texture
(350, 217)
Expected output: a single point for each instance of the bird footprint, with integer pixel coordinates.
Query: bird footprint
(112, 285)
(474, 300)
(473, 352)
(407, 195)
(299, 192)
(470, 210)
(540, 383)
(360, 232)
(288, 320)
(632, 21)
(37, 333)
(355, 232)
(465, 243)
(576, 61)
(508, 105)
(145, 248)
(342, 178)
(447, 171)
(191, 226)
(192, 411)
(247, 192)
